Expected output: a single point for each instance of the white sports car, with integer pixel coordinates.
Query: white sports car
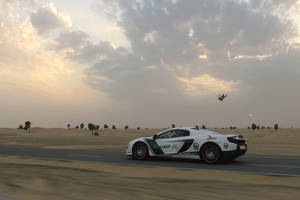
(211, 146)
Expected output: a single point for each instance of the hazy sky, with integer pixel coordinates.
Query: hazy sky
(150, 63)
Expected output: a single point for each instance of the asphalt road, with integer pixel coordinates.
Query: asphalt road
(269, 165)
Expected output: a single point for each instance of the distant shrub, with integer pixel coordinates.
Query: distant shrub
(126, 127)
(97, 127)
(68, 125)
(20, 127)
(138, 128)
(77, 127)
(113, 127)
(253, 126)
(248, 127)
(96, 134)
(257, 127)
(203, 127)
(105, 126)
(27, 126)
(91, 127)
(276, 127)
(197, 127)
(81, 125)
(173, 126)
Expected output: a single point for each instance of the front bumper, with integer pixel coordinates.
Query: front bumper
(128, 151)
(231, 155)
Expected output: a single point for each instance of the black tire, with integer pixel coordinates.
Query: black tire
(210, 153)
(140, 151)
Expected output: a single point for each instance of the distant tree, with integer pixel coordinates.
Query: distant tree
(77, 127)
(81, 125)
(27, 126)
(257, 127)
(91, 127)
(276, 127)
(173, 125)
(248, 127)
(113, 127)
(105, 126)
(230, 127)
(253, 126)
(203, 126)
(126, 127)
(197, 127)
(97, 127)
(20, 127)
(138, 128)
(68, 125)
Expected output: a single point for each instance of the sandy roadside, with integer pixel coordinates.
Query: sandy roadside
(263, 142)
(44, 179)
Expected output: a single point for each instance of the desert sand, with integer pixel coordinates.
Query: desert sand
(263, 142)
(27, 179)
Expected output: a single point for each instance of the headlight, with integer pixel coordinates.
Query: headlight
(239, 139)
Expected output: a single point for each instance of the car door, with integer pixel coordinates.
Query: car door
(174, 141)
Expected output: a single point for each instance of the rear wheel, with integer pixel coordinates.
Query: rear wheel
(140, 151)
(210, 153)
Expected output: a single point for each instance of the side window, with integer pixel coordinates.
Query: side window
(174, 133)
(182, 133)
(168, 134)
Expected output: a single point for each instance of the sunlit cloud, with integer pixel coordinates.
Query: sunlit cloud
(206, 84)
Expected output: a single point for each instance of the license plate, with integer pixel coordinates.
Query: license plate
(242, 147)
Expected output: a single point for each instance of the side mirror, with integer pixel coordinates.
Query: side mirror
(154, 137)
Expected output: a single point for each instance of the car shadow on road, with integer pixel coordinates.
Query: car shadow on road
(194, 161)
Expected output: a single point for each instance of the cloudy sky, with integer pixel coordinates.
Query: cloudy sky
(150, 63)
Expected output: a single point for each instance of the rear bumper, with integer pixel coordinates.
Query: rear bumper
(231, 155)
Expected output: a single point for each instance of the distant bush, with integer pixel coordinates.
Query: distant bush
(91, 127)
(20, 127)
(253, 126)
(113, 127)
(248, 127)
(276, 127)
(77, 127)
(197, 127)
(257, 127)
(81, 125)
(97, 127)
(96, 134)
(27, 126)
(105, 126)
(203, 127)
(138, 128)
(68, 125)
(126, 127)
(173, 126)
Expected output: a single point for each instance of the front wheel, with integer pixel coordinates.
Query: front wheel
(140, 151)
(210, 153)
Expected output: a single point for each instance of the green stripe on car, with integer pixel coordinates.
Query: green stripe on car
(154, 147)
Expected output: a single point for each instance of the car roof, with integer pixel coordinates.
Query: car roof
(192, 130)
